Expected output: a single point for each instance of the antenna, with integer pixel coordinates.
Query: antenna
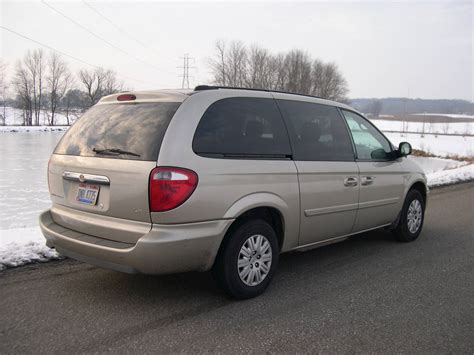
(186, 67)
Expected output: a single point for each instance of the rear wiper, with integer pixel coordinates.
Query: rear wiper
(114, 151)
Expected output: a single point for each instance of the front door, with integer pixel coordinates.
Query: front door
(380, 175)
(327, 172)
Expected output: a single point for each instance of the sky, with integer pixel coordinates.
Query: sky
(415, 49)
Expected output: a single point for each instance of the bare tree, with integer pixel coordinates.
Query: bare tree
(218, 65)
(23, 84)
(446, 127)
(236, 65)
(92, 81)
(99, 82)
(375, 108)
(259, 72)
(3, 91)
(59, 82)
(111, 83)
(34, 63)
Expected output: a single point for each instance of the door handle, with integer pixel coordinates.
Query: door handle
(351, 181)
(367, 180)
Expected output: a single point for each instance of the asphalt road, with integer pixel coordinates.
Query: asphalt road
(368, 294)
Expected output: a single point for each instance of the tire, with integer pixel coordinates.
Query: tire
(412, 217)
(226, 269)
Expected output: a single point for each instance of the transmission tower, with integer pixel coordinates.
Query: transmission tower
(186, 67)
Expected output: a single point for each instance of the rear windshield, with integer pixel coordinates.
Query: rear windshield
(121, 131)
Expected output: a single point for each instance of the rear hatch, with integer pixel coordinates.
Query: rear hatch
(99, 172)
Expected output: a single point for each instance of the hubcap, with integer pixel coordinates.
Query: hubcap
(255, 260)
(414, 217)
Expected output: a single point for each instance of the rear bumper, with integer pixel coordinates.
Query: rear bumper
(164, 249)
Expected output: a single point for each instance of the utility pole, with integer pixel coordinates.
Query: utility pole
(186, 67)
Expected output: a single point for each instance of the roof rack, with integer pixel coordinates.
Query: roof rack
(216, 87)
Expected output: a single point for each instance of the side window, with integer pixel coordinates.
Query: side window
(242, 126)
(317, 132)
(370, 143)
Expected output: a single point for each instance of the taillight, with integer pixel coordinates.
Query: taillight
(170, 187)
(126, 97)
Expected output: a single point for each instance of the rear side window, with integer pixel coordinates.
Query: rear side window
(317, 132)
(242, 127)
(134, 128)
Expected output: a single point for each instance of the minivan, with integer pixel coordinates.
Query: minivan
(224, 179)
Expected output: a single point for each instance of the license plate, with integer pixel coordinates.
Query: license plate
(87, 194)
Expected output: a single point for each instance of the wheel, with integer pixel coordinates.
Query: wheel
(247, 260)
(411, 218)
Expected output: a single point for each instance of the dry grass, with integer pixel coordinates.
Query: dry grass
(422, 153)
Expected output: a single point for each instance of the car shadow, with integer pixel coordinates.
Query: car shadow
(116, 286)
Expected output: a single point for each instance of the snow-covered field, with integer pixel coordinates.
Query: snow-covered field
(14, 117)
(463, 128)
(24, 192)
(440, 145)
(23, 195)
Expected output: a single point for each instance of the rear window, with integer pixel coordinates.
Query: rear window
(242, 127)
(133, 128)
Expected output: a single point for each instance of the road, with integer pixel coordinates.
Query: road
(367, 294)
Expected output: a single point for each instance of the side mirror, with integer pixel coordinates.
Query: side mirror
(404, 149)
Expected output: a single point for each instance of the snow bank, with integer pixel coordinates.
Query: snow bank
(441, 172)
(24, 246)
(451, 176)
(432, 165)
(24, 129)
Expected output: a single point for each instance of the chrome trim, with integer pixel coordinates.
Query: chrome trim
(367, 180)
(332, 209)
(351, 181)
(96, 179)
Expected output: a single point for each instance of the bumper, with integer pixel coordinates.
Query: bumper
(164, 249)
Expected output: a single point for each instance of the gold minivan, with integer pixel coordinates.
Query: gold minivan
(223, 179)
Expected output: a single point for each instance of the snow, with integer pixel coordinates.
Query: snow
(14, 117)
(446, 115)
(24, 246)
(441, 172)
(463, 128)
(438, 145)
(453, 176)
(25, 129)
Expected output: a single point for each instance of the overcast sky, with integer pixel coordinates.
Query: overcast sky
(384, 49)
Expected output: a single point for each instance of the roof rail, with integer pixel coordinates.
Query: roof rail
(216, 87)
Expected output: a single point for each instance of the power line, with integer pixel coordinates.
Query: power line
(186, 67)
(113, 24)
(117, 27)
(64, 53)
(46, 46)
(97, 36)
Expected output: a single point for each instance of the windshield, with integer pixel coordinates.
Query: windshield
(134, 128)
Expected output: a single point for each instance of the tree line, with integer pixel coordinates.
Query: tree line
(43, 84)
(235, 64)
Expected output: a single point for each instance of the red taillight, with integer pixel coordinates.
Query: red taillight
(126, 97)
(170, 187)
